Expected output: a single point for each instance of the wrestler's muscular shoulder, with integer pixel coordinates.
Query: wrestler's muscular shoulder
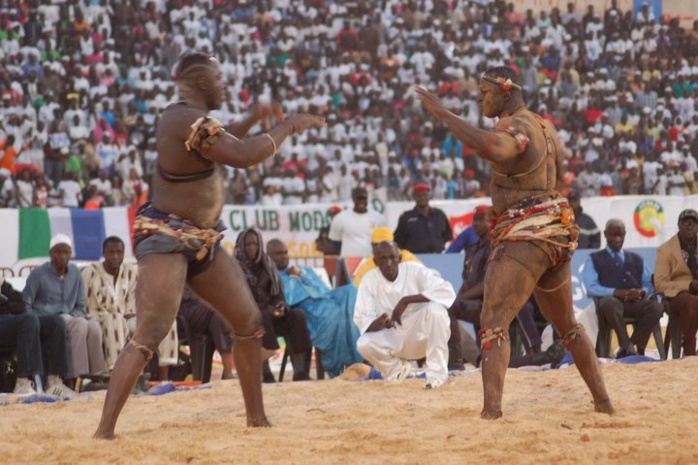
(523, 130)
(202, 200)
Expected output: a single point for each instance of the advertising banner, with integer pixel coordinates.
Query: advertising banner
(649, 221)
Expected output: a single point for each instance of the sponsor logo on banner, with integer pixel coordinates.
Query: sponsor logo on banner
(460, 223)
(648, 218)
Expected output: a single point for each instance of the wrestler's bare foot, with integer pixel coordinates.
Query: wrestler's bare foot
(604, 407)
(258, 423)
(100, 435)
(488, 414)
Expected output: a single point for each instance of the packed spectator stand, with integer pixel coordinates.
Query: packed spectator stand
(82, 82)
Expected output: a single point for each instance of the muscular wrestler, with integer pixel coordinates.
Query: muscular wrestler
(534, 236)
(177, 236)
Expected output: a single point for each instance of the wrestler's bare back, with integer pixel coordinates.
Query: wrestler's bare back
(508, 191)
(199, 201)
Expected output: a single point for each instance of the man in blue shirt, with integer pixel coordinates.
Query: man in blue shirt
(57, 288)
(465, 239)
(620, 283)
(329, 312)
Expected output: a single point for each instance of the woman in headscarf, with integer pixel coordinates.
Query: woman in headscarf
(279, 320)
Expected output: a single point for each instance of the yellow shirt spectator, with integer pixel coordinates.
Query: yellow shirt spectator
(381, 234)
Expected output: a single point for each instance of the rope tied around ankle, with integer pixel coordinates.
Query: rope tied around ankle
(487, 335)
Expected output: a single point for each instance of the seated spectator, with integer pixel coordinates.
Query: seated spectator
(676, 276)
(56, 288)
(401, 312)
(25, 189)
(272, 197)
(423, 229)
(621, 283)
(111, 300)
(329, 312)
(40, 343)
(135, 189)
(6, 189)
(101, 183)
(278, 319)
(202, 320)
(381, 234)
(8, 154)
(69, 191)
(40, 192)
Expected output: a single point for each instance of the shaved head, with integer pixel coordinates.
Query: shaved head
(278, 252)
(193, 65)
(386, 256)
(615, 223)
(200, 81)
(275, 244)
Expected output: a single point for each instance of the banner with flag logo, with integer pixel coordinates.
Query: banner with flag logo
(649, 221)
(27, 232)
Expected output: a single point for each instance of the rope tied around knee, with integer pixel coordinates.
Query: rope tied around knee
(487, 335)
(147, 353)
(572, 334)
(256, 335)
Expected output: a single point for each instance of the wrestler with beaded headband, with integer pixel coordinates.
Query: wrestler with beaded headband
(534, 235)
(177, 235)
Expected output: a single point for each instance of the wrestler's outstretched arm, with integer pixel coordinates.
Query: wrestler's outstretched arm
(206, 136)
(241, 153)
(258, 113)
(494, 146)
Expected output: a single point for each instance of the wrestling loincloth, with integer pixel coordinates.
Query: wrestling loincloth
(546, 220)
(158, 232)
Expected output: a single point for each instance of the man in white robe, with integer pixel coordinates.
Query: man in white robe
(401, 313)
(111, 300)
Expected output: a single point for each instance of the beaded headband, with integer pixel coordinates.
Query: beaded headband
(505, 84)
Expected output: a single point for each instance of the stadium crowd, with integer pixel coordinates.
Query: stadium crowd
(82, 81)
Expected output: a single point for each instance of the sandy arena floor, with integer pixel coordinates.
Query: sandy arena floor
(548, 419)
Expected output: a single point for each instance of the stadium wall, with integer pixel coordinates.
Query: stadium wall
(649, 220)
